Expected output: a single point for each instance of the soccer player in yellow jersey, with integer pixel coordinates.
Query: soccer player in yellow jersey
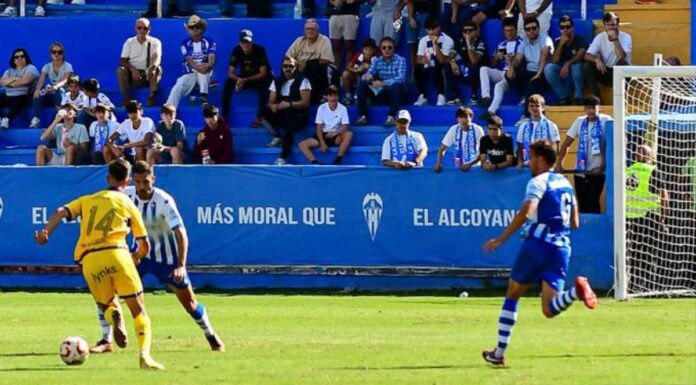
(103, 253)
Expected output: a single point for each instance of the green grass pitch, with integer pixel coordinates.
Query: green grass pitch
(273, 339)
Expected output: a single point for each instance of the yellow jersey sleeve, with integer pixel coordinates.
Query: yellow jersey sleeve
(136, 221)
(74, 208)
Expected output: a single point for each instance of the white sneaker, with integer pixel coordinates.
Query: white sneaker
(4, 123)
(441, 101)
(9, 12)
(280, 162)
(54, 2)
(77, 2)
(421, 101)
(40, 11)
(35, 123)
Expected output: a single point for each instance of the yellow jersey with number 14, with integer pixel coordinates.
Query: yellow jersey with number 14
(107, 217)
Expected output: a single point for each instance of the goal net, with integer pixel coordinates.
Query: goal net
(655, 181)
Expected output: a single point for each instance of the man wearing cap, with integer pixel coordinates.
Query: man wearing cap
(404, 148)
(99, 132)
(214, 141)
(71, 139)
(141, 59)
(254, 73)
(314, 57)
(199, 60)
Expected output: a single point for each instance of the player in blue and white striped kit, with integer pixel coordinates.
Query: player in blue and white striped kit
(550, 212)
(168, 253)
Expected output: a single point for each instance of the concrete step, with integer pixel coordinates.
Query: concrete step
(658, 13)
(632, 2)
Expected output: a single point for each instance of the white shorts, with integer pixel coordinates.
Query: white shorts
(57, 159)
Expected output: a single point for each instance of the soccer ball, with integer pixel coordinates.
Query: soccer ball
(74, 351)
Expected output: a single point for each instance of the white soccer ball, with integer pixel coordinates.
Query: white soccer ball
(74, 351)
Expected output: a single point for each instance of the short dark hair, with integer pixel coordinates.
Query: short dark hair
(209, 111)
(591, 101)
(142, 167)
(27, 59)
(544, 149)
(566, 18)
(531, 20)
(332, 90)
(389, 39)
(432, 22)
(509, 21)
(168, 109)
(91, 85)
(495, 120)
(463, 111)
(370, 42)
(133, 106)
(609, 16)
(470, 23)
(119, 169)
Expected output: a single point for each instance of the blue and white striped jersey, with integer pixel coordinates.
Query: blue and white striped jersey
(161, 218)
(555, 201)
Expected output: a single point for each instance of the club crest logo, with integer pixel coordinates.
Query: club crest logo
(372, 207)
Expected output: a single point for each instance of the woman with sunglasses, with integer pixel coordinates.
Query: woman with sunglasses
(58, 71)
(17, 80)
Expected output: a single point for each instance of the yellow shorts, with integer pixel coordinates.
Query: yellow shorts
(111, 271)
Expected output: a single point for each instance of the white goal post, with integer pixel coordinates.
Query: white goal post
(654, 114)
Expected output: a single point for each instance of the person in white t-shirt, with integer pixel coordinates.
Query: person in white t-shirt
(608, 49)
(541, 9)
(404, 149)
(464, 137)
(138, 130)
(332, 129)
(432, 55)
(537, 127)
(141, 58)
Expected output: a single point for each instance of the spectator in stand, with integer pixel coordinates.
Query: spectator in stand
(199, 60)
(404, 149)
(433, 57)
(74, 94)
(386, 16)
(500, 62)
(465, 136)
(214, 141)
(418, 12)
(456, 12)
(288, 108)
(138, 130)
(11, 10)
(565, 69)
(499, 9)
(542, 10)
(332, 129)
(357, 67)
(58, 71)
(99, 133)
(170, 139)
(314, 57)
(254, 72)
(93, 97)
(468, 56)
(344, 19)
(496, 152)
(535, 51)
(608, 49)
(17, 81)
(537, 127)
(591, 158)
(174, 8)
(141, 63)
(71, 139)
(385, 81)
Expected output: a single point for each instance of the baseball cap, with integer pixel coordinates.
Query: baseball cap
(404, 114)
(246, 35)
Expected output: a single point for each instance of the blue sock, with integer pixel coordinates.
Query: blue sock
(508, 316)
(201, 317)
(562, 301)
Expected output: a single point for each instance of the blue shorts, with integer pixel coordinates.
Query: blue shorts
(162, 272)
(413, 35)
(541, 261)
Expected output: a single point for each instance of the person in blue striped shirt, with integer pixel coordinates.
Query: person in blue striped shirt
(168, 253)
(550, 212)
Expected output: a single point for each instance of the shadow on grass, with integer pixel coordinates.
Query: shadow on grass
(417, 367)
(29, 354)
(51, 369)
(612, 355)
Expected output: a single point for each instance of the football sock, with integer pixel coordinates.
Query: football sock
(143, 331)
(201, 317)
(562, 301)
(109, 315)
(105, 326)
(508, 316)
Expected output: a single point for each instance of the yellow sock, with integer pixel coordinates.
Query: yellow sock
(143, 331)
(109, 314)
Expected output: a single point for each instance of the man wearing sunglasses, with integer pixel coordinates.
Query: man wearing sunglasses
(141, 59)
(565, 69)
(535, 51)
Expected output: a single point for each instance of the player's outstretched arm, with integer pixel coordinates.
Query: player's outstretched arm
(41, 236)
(528, 208)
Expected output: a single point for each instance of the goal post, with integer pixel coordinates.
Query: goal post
(655, 124)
